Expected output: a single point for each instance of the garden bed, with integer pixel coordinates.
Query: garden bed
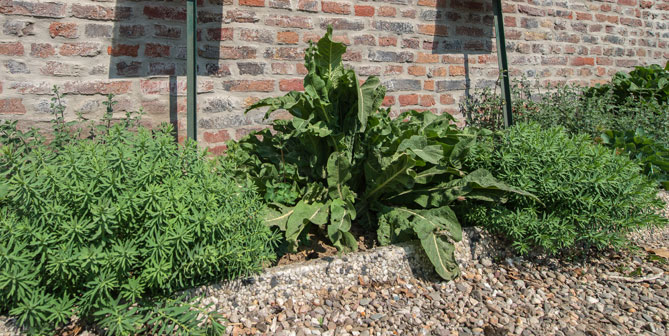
(394, 290)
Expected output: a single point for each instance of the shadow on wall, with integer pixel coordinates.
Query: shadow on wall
(150, 40)
(462, 27)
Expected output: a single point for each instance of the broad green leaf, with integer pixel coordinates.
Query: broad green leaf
(442, 255)
(302, 214)
(370, 97)
(397, 176)
(328, 58)
(341, 216)
(339, 172)
(441, 220)
(279, 217)
(418, 145)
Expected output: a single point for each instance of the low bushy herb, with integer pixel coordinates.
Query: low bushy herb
(591, 196)
(108, 228)
(578, 109)
(343, 162)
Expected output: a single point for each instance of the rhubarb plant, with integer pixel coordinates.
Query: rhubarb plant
(341, 161)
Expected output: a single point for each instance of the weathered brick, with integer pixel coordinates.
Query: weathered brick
(12, 106)
(66, 30)
(427, 101)
(342, 24)
(131, 31)
(60, 69)
(11, 49)
(124, 50)
(16, 67)
(390, 56)
(249, 85)
(97, 12)
(241, 16)
(166, 31)
(33, 8)
(97, 87)
(335, 7)
(402, 85)
(220, 34)
(387, 11)
(307, 5)
(395, 27)
(156, 50)
(433, 29)
(427, 58)
(162, 69)
(450, 85)
(580, 61)
(131, 69)
(387, 41)
(366, 39)
(296, 84)
(289, 22)
(165, 13)
(254, 69)
(285, 53)
(257, 35)
(98, 30)
(84, 49)
(287, 37)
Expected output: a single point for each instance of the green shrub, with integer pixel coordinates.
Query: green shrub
(342, 163)
(589, 195)
(577, 109)
(108, 228)
(644, 83)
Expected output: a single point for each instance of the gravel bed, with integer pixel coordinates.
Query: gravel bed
(393, 291)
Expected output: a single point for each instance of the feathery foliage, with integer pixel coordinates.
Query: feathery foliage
(108, 228)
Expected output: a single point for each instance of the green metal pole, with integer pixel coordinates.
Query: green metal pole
(502, 61)
(191, 69)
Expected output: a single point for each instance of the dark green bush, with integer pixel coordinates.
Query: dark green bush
(342, 164)
(589, 195)
(644, 83)
(101, 227)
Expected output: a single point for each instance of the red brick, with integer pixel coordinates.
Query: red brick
(288, 37)
(580, 61)
(67, 30)
(307, 5)
(156, 50)
(428, 85)
(364, 10)
(249, 85)
(427, 58)
(417, 70)
(627, 2)
(335, 7)
(84, 49)
(388, 41)
(388, 101)
(123, 50)
(42, 50)
(446, 99)
(583, 16)
(434, 30)
(282, 68)
(457, 70)
(252, 3)
(427, 3)
(296, 84)
(411, 99)
(427, 101)
(165, 13)
(12, 106)
(11, 49)
(218, 136)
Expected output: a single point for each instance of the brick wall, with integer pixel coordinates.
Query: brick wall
(429, 53)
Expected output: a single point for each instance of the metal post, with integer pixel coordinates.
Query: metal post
(191, 69)
(502, 61)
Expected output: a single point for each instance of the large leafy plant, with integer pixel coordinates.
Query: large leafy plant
(108, 228)
(651, 155)
(641, 84)
(342, 164)
(591, 196)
